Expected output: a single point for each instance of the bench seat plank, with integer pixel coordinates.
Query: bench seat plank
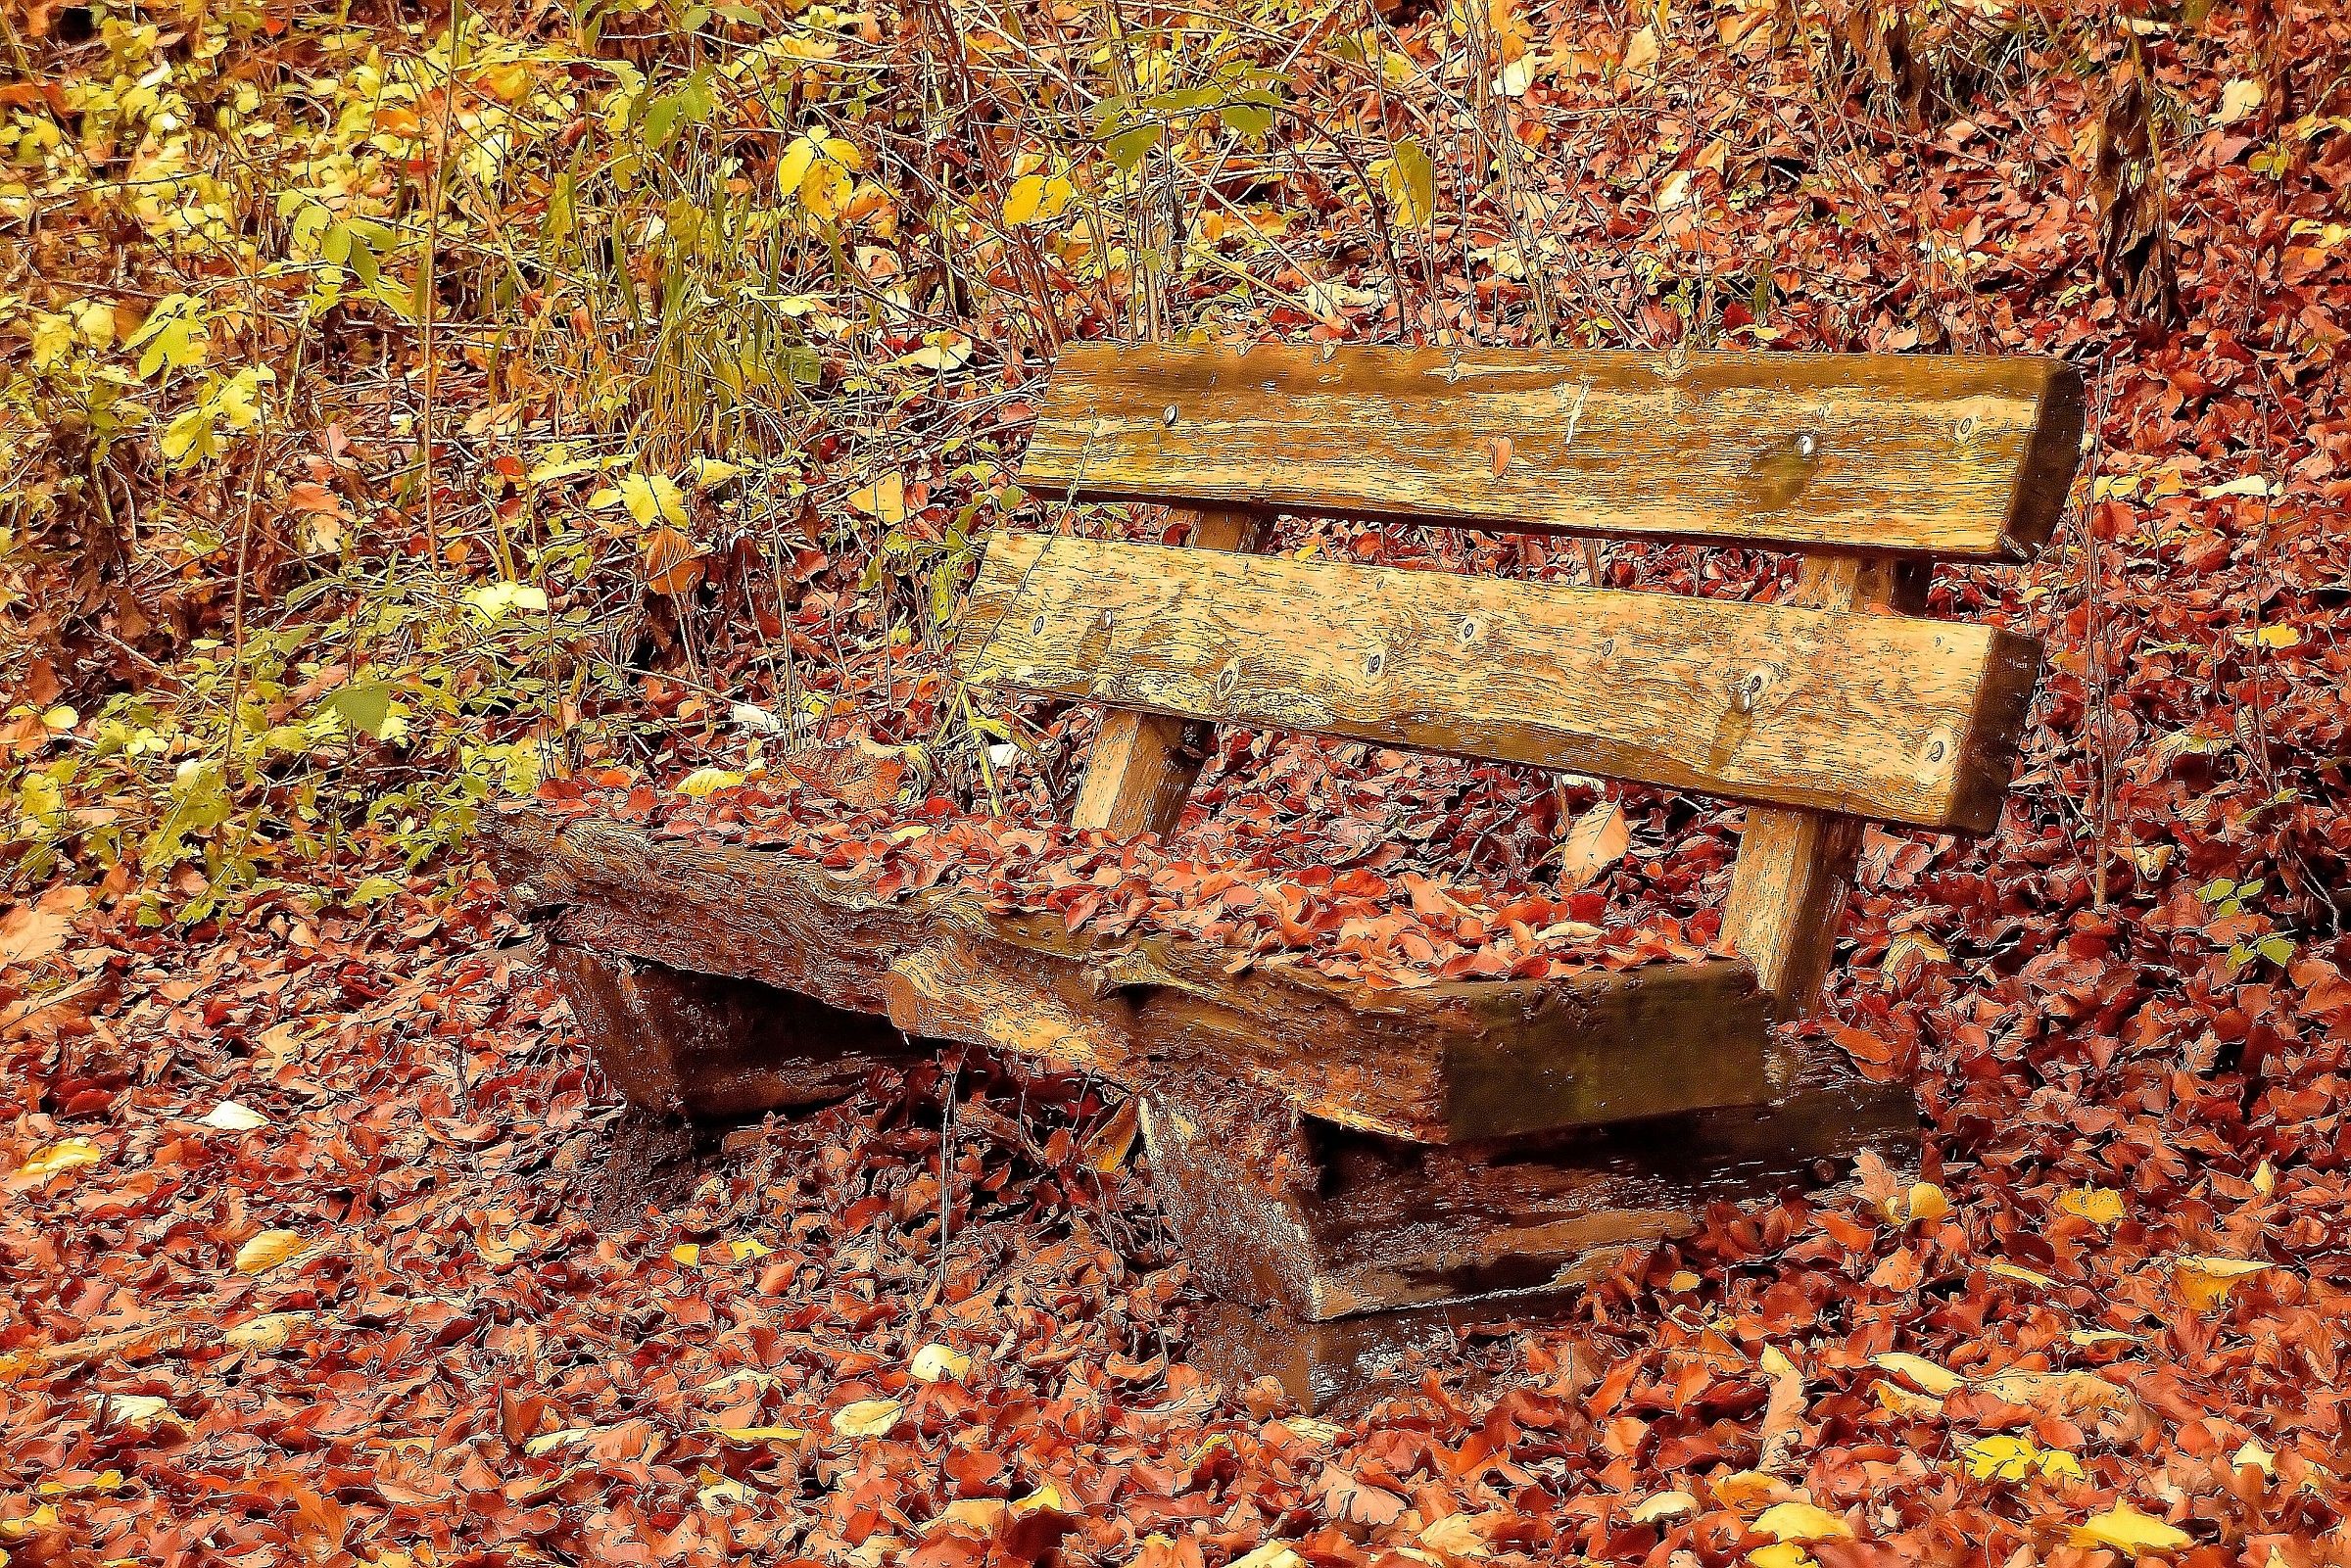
(1951, 457)
(1902, 720)
(1447, 1063)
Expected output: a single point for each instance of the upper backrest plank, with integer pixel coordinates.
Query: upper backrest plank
(1884, 717)
(1955, 458)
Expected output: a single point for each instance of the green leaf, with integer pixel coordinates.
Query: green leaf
(365, 705)
(373, 890)
(1411, 182)
(1130, 147)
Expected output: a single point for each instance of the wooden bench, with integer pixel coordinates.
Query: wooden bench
(1354, 1169)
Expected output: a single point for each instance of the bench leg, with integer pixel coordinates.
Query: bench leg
(709, 1046)
(1335, 1261)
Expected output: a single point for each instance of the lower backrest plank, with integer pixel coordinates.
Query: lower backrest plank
(1795, 867)
(1143, 764)
(1902, 720)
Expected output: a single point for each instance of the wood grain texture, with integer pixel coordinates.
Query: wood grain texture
(1143, 764)
(1325, 1224)
(1796, 867)
(1957, 457)
(1441, 1063)
(1903, 720)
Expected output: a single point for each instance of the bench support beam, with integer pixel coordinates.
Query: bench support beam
(1143, 764)
(1331, 1257)
(1795, 867)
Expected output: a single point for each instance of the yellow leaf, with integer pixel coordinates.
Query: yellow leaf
(2240, 99)
(1781, 1554)
(1037, 199)
(1743, 1489)
(934, 1363)
(2205, 1282)
(2001, 1458)
(2258, 1458)
(70, 1155)
(1641, 52)
(546, 1443)
(652, 496)
(1046, 1498)
(885, 499)
(1683, 1281)
(2100, 1206)
(748, 1247)
(139, 1410)
(1664, 1506)
(1272, 1554)
(686, 1254)
(269, 1332)
(1903, 1402)
(1919, 1373)
(2124, 1529)
(867, 1418)
(2021, 1274)
(272, 1249)
(709, 471)
(704, 782)
(1802, 1522)
(1927, 1202)
(792, 167)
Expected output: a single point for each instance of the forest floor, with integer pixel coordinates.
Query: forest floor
(397, 424)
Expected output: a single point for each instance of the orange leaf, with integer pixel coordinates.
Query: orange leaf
(672, 565)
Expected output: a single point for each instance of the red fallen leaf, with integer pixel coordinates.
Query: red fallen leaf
(1353, 1502)
(308, 495)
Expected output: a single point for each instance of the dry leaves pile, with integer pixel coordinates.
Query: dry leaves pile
(423, 1295)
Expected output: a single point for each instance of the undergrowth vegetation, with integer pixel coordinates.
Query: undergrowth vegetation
(400, 410)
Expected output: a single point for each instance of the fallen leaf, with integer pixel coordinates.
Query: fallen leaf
(2100, 1206)
(268, 1332)
(1919, 1373)
(70, 1154)
(1663, 1507)
(1597, 842)
(934, 1364)
(758, 1434)
(2205, 1282)
(2124, 1529)
(885, 499)
(1802, 1522)
(2240, 99)
(231, 1115)
(272, 1249)
(867, 1418)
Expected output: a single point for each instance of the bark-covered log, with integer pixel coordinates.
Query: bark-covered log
(707, 1045)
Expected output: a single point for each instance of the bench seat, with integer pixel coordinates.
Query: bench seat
(1451, 1061)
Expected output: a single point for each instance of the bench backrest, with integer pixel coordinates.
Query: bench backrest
(1822, 713)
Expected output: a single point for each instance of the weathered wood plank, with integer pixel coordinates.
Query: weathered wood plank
(1905, 719)
(1143, 764)
(1441, 1063)
(1958, 457)
(1324, 1223)
(1796, 867)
